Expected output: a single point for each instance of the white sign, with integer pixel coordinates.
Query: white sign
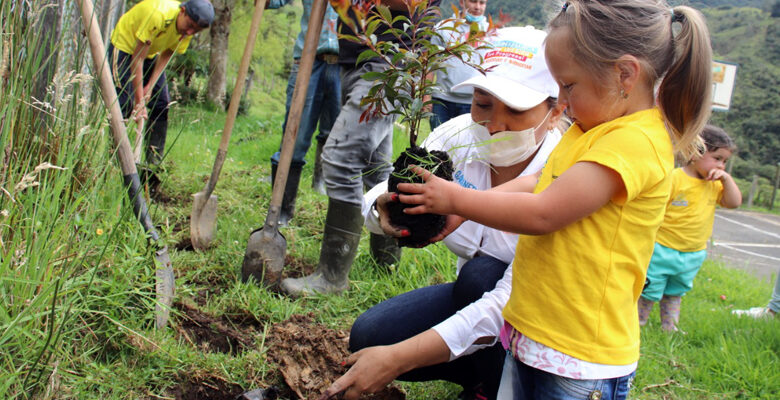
(724, 75)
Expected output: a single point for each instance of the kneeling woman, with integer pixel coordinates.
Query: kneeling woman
(435, 332)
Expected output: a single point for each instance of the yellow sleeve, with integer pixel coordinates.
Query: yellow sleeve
(633, 155)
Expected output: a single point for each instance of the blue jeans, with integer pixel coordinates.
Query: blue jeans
(322, 104)
(774, 304)
(520, 382)
(447, 111)
(411, 313)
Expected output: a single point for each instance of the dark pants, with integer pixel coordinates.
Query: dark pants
(411, 313)
(447, 111)
(156, 126)
(322, 105)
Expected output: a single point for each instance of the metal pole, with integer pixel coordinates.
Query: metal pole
(753, 189)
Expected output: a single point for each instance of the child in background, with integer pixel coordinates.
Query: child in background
(681, 244)
(589, 225)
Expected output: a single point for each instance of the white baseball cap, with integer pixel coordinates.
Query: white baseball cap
(518, 73)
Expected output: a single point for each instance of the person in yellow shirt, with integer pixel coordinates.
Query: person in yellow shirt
(681, 244)
(142, 43)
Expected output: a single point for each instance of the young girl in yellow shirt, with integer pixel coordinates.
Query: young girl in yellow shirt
(681, 244)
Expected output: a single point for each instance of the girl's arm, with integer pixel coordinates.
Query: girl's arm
(577, 193)
(732, 197)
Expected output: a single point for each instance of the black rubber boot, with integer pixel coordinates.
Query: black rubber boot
(317, 183)
(385, 250)
(340, 241)
(290, 193)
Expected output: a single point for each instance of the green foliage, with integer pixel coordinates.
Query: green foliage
(405, 88)
(271, 58)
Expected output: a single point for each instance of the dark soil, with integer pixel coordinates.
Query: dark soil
(185, 244)
(229, 334)
(309, 357)
(205, 389)
(424, 226)
(296, 267)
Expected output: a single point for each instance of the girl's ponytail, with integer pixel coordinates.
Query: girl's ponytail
(685, 93)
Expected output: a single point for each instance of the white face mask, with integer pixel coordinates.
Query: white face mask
(511, 147)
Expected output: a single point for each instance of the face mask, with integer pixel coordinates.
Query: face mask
(474, 18)
(480, 133)
(511, 147)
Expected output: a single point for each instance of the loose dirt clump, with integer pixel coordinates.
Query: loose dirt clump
(213, 334)
(296, 267)
(192, 388)
(309, 356)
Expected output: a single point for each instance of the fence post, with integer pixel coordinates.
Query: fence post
(777, 183)
(753, 190)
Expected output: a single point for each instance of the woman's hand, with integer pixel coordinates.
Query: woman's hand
(384, 216)
(372, 369)
(435, 196)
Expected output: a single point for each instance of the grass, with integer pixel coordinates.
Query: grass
(721, 356)
(77, 279)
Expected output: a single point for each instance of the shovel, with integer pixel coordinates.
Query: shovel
(203, 220)
(264, 258)
(164, 270)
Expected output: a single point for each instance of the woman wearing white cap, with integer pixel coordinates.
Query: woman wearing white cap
(441, 332)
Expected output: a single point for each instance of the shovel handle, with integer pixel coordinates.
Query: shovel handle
(139, 140)
(235, 98)
(296, 108)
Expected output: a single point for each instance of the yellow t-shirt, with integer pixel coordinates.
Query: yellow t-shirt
(575, 290)
(690, 213)
(150, 21)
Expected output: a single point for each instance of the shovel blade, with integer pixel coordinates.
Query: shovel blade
(164, 286)
(264, 257)
(203, 220)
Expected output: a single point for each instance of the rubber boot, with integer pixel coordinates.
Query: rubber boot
(340, 240)
(290, 192)
(317, 183)
(644, 306)
(385, 250)
(670, 312)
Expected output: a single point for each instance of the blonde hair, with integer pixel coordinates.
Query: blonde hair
(603, 31)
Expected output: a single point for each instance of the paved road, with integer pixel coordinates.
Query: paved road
(747, 240)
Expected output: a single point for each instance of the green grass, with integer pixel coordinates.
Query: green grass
(77, 278)
(721, 356)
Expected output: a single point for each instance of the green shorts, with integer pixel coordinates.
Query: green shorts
(671, 272)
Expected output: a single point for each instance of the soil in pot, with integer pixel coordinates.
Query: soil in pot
(422, 227)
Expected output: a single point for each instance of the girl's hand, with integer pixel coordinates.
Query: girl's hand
(384, 216)
(372, 369)
(435, 196)
(716, 174)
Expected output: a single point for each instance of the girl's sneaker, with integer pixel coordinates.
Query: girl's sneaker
(755, 312)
